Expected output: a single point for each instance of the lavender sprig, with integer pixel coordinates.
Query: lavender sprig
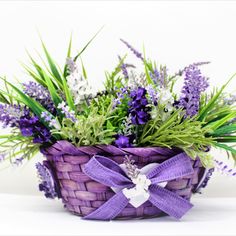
(69, 114)
(10, 114)
(180, 73)
(195, 83)
(132, 49)
(152, 93)
(224, 169)
(40, 94)
(155, 76)
(132, 169)
(121, 93)
(50, 120)
(47, 181)
(124, 67)
(18, 161)
(127, 126)
(230, 100)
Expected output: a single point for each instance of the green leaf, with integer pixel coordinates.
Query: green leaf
(83, 69)
(219, 123)
(68, 56)
(87, 44)
(146, 67)
(55, 97)
(69, 98)
(213, 100)
(224, 130)
(34, 75)
(226, 147)
(3, 99)
(36, 107)
(52, 65)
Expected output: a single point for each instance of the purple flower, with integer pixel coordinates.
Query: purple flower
(138, 110)
(120, 96)
(18, 161)
(67, 112)
(123, 141)
(11, 114)
(71, 64)
(152, 93)
(135, 52)
(124, 67)
(40, 94)
(155, 76)
(31, 127)
(230, 100)
(180, 73)
(194, 85)
(224, 168)
(52, 122)
(47, 185)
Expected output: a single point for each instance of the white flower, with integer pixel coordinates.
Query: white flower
(54, 123)
(79, 87)
(165, 97)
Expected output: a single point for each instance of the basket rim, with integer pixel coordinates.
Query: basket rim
(66, 147)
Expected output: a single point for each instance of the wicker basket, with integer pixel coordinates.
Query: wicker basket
(81, 195)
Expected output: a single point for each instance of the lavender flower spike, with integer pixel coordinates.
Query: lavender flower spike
(51, 121)
(10, 114)
(40, 94)
(124, 69)
(66, 111)
(18, 161)
(47, 184)
(135, 52)
(195, 83)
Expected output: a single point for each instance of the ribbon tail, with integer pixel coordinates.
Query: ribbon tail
(110, 209)
(168, 201)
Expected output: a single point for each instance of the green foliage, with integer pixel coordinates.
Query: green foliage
(95, 128)
(98, 121)
(207, 108)
(113, 79)
(15, 145)
(186, 134)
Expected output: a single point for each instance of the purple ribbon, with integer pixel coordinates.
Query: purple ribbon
(109, 173)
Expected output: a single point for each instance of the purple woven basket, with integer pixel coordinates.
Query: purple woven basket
(82, 195)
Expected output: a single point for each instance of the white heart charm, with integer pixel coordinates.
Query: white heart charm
(139, 193)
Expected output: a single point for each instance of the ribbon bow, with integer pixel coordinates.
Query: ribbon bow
(147, 187)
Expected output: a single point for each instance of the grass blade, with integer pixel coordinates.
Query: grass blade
(52, 65)
(68, 56)
(87, 44)
(55, 97)
(213, 100)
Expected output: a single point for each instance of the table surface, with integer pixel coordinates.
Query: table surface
(36, 215)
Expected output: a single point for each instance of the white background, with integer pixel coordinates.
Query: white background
(175, 33)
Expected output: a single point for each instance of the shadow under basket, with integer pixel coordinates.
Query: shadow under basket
(82, 195)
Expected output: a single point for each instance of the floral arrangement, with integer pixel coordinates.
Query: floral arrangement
(133, 110)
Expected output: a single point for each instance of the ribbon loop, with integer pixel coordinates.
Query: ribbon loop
(173, 168)
(140, 189)
(107, 172)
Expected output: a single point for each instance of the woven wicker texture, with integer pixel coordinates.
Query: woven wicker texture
(81, 195)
